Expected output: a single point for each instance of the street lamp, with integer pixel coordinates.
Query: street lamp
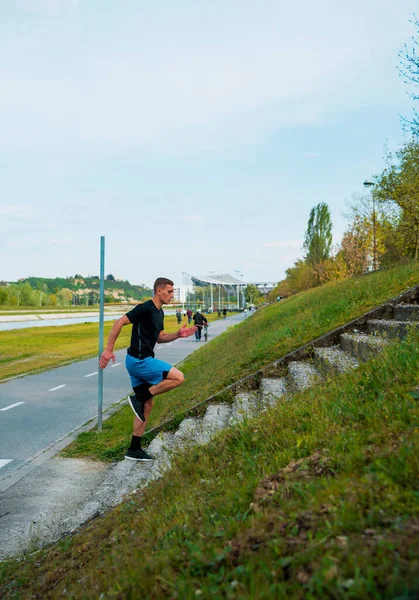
(368, 184)
(238, 288)
(182, 291)
(212, 297)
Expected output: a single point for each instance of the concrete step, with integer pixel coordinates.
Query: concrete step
(406, 312)
(302, 375)
(216, 418)
(391, 329)
(271, 390)
(362, 346)
(190, 430)
(333, 360)
(245, 406)
(161, 444)
(161, 449)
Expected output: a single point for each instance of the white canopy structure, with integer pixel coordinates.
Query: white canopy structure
(231, 284)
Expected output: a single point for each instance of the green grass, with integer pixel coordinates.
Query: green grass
(26, 350)
(269, 334)
(315, 498)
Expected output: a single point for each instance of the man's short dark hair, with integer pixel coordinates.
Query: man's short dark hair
(161, 282)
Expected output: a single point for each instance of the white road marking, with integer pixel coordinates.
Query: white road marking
(91, 374)
(4, 461)
(12, 406)
(57, 388)
(116, 365)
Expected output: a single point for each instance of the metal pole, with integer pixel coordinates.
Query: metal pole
(369, 184)
(212, 300)
(101, 320)
(374, 258)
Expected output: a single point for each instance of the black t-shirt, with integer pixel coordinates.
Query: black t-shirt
(147, 323)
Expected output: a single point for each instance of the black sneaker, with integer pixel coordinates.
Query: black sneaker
(140, 455)
(137, 407)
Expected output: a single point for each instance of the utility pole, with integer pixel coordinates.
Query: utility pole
(369, 184)
(101, 329)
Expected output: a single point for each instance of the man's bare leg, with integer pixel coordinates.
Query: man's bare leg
(174, 379)
(139, 426)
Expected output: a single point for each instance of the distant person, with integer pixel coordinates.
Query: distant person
(199, 319)
(278, 298)
(149, 376)
(224, 312)
(189, 315)
(179, 316)
(245, 311)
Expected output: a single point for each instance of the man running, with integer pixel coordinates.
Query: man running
(149, 376)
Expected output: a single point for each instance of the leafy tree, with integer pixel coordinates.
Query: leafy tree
(399, 184)
(363, 243)
(355, 247)
(110, 277)
(3, 295)
(318, 237)
(252, 293)
(330, 269)
(64, 297)
(409, 71)
(300, 277)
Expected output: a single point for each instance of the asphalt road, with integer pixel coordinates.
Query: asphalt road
(37, 411)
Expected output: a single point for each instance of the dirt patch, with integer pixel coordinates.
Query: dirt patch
(317, 464)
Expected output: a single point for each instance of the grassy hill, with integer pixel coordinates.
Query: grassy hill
(316, 498)
(79, 285)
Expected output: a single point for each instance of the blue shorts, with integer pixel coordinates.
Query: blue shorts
(147, 370)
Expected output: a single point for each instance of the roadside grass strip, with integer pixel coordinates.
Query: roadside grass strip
(24, 351)
(315, 498)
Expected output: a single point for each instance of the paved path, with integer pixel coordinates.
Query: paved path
(39, 412)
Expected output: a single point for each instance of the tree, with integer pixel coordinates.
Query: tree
(64, 297)
(318, 237)
(252, 293)
(110, 277)
(409, 71)
(366, 233)
(355, 247)
(300, 276)
(399, 183)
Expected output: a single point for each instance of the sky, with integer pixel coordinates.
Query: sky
(195, 135)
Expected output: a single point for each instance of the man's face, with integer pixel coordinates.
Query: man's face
(166, 293)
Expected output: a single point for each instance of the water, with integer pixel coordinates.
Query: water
(58, 322)
(52, 322)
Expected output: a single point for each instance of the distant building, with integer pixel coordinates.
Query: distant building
(181, 291)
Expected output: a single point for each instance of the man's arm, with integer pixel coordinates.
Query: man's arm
(108, 353)
(183, 332)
